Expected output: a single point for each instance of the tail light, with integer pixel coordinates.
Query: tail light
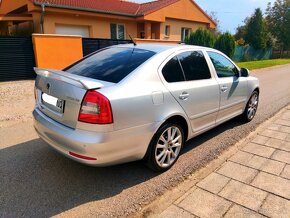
(96, 109)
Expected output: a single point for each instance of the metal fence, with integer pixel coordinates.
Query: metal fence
(91, 45)
(277, 53)
(244, 53)
(16, 58)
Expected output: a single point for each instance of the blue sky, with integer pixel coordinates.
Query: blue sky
(230, 13)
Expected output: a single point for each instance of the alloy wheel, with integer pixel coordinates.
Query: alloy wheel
(252, 106)
(168, 146)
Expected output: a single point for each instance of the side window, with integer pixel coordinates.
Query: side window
(167, 30)
(223, 66)
(194, 65)
(172, 71)
(117, 31)
(184, 33)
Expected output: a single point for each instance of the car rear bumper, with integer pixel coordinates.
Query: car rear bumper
(107, 148)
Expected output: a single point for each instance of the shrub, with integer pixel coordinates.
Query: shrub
(226, 44)
(201, 37)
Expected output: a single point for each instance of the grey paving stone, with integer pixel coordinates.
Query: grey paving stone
(273, 167)
(260, 150)
(274, 126)
(280, 128)
(213, 183)
(283, 156)
(274, 143)
(276, 207)
(175, 212)
(286, 172)
(274, 134)
(241, 212)
(243, 194)
(285, 129)
(257, 162)
(204, 204)
(288, 138)
(286, 115)
(285, 146)
(259, 139)
(241, 157)
(238, 172)
(273, 184)
(283, 122)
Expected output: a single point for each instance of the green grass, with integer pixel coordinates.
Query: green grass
(262, 64)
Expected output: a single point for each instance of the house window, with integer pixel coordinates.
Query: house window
(185, 33)
(167, 30)
(117, 31)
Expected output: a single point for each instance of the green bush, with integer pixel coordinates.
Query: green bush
(201, 37)
(226, 44)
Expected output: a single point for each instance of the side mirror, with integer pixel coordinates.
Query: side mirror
(244, 72)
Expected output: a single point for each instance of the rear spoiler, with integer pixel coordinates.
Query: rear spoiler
(79, 81)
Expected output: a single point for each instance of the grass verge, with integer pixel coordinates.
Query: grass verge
(263, 64)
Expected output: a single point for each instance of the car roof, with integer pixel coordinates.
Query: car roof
(158, 48)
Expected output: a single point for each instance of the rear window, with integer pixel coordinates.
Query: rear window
(111, 65)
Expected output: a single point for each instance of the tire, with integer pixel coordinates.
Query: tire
(163, 152)
(251, 107)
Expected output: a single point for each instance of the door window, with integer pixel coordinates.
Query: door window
(172, 71)
(194, 65)
(223, 66)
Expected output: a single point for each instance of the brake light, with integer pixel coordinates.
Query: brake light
(95, 108)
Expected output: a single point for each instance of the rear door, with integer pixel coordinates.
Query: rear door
(233, 89)
(189, 80)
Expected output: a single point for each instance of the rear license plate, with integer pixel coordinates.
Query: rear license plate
(53, 102)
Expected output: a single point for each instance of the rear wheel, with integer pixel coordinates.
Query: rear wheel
(165, 147)
(251, 108)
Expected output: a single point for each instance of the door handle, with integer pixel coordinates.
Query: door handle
(224, 88)
(184, 96)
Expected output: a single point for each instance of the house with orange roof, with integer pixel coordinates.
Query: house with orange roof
(109, 19)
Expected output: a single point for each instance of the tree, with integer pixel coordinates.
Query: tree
(278, 21)
(214, 17)
(226, 44)
(255, 30)
(201, 37)
(241, 30)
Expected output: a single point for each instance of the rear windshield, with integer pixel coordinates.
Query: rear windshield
(111, 65)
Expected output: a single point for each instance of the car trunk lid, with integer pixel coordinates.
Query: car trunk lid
(59, 94)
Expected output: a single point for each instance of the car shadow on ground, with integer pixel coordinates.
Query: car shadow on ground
(36, 181)
(200, 139)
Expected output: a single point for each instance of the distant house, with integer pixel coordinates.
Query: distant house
(111, 19)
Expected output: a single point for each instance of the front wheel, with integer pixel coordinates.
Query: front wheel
(251, 108)
(165, 147)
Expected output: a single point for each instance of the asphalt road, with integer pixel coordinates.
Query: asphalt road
(35, 181)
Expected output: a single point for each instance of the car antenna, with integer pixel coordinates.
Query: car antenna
(132, 39)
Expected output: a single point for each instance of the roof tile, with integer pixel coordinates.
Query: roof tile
(109, 6)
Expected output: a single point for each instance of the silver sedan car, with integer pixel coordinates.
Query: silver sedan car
(132, 102)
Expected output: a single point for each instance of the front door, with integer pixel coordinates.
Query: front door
(233, 89)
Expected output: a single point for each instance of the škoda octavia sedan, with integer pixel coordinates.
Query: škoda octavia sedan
(132, 102)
